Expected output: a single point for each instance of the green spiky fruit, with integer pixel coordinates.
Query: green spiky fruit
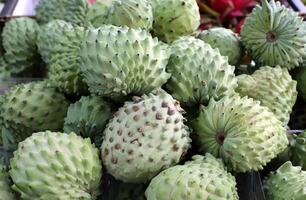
(131, 13)
(47, 36)
(145, 137)
(175, 18)
(226, 41)
(275, 35)
(118, 190)
(88, 118)
(288, 182)
(205, 178)
(5, 185)
(118, 61)
(97, 12)
(64, 72)
(273, 87)
(199, 73)
(51, 165)
(243, 133)
(298, 150)
(19, 42)
(32, 107)
(5, 70)
(73, 11)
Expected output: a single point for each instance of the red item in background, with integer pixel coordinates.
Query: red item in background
(91, 1)
(231, 8)
(239, 26)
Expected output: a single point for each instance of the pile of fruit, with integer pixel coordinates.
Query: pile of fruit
(133, 91)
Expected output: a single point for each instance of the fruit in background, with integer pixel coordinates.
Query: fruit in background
(19, 42)
(275, 35)
(51, 165)
(145, 137)
(5, 70)
(299, 75)
(64, 72)
(205, 177)
(288, 182)
(31, 107)
(243, 133)
(298, 150)
(229, 9)
(47, 35)
(88, 118)
(131, 13)
(174, 18)
(226, 41)
(121, 61)
(5, 186)
(199, 73)
(73, 11)
(273, 87)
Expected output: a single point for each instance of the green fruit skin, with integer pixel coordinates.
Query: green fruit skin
(5, 185)
(50, 165)
(298, 150)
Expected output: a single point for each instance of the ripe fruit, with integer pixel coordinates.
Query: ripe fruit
(144, 137)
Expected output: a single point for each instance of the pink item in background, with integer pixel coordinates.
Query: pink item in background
(91, 1)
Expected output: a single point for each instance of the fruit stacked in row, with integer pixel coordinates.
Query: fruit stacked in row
(131, 85)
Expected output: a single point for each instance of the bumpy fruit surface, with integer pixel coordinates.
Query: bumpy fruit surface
(226, 41)
(47, 36)
(88, 118)
(298, 150)
(275, 35)
(32, 107)
(175, 18)
(97, 12)
(145, 137)
(19, 42)
(64, 72)
(5, 70)
(243, 133)
(73, 11)
(131, 13)
(118, 61)
(199, 73)
(5, 188)
(273, 87)
(205, 178)
(51, 165)
(288, 182)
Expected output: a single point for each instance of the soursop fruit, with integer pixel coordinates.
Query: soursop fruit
(119, 61)
(73, 11)
(64, 72)
(19, 42)
(144, 137)
(47, 35)
(88, 118)
(300, 76)
(205, 178)
(199, 73)
(131, 13)
(174, 18)
(298, 150)
(275, 35)
(31, 107)
(50, 165)
(243, 133)
(5, 70)
(288, 182)
(273, 87)
(5, 186)
(226, 41)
